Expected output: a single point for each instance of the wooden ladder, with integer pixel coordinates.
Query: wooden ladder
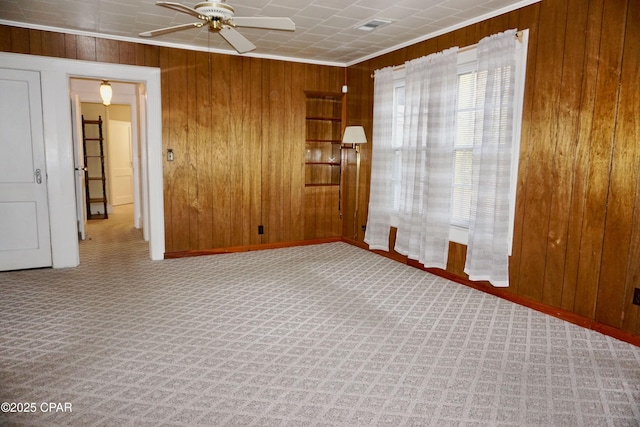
(93, 148)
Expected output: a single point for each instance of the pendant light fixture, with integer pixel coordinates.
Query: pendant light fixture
(106, 93)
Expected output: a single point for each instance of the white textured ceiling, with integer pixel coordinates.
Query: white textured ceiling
(325, 29)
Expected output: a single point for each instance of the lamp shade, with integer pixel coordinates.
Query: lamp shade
(354, 135)
(106, 93)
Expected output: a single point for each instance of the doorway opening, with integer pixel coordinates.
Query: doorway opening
(111, 169)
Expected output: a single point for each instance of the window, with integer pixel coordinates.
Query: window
(470, 87)
(397, 134)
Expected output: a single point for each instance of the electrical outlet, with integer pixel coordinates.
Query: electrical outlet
(260, 229)
(636, 296)
(364, 228)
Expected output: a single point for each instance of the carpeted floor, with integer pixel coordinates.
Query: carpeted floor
(325, 335)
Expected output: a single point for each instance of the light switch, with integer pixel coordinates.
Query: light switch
(170, 155)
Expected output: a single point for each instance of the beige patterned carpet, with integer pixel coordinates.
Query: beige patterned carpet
(325, 335)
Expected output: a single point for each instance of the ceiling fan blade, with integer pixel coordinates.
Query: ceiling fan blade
(180, 8)
(237, 40)
(266, 23)
(168, 30)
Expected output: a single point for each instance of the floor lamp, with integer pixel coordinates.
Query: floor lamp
(355, 136)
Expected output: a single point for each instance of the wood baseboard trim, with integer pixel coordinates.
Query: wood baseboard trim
(501, 293)
(248, 248)
(394, 256)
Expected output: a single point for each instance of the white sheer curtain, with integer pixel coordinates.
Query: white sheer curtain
(431, 86)
(488, 248)
(380, 193)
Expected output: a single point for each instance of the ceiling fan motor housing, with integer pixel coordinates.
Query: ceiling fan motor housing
(215, 11)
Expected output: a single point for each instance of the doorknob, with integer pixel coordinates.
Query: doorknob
(38, 176)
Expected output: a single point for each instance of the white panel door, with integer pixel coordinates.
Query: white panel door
(25, 239)
(119, 159)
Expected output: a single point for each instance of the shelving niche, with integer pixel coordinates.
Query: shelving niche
(323, 138)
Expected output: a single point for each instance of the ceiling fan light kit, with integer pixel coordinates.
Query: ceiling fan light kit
(221, 11)
(219, 17)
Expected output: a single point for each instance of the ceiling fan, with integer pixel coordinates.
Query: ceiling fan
(219, 17)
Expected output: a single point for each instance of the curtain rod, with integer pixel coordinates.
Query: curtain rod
(463, 49)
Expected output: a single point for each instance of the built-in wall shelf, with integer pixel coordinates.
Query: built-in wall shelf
(324, 127)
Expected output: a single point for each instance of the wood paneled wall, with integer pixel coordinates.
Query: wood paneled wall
(577, 230)
(236, 126)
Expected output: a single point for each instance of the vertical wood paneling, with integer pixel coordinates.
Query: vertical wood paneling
(5, 38)
(236, 122)
(422, 49)
(273, 199)
(581, 168)
(460, 37)
(20, 40)
(86, 48)
(540, 173)
(513, 21)
(297, 154)
(127, 53)
(613, 296)
(221, 152)
(628, 131)
(35, 42)
(168, 167)
(310, 214)
(178, 177)
(631, 314)
(601, 146)
(53, 44)
(70, 46)
(446, 41)
(285, 149)
(203, 140)
(191, 148)
(528, 18)
(139, 54)
(255, 145)
(565, 153)
(107, 50)
(267, 167)
(456, 259)
(151, 56)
